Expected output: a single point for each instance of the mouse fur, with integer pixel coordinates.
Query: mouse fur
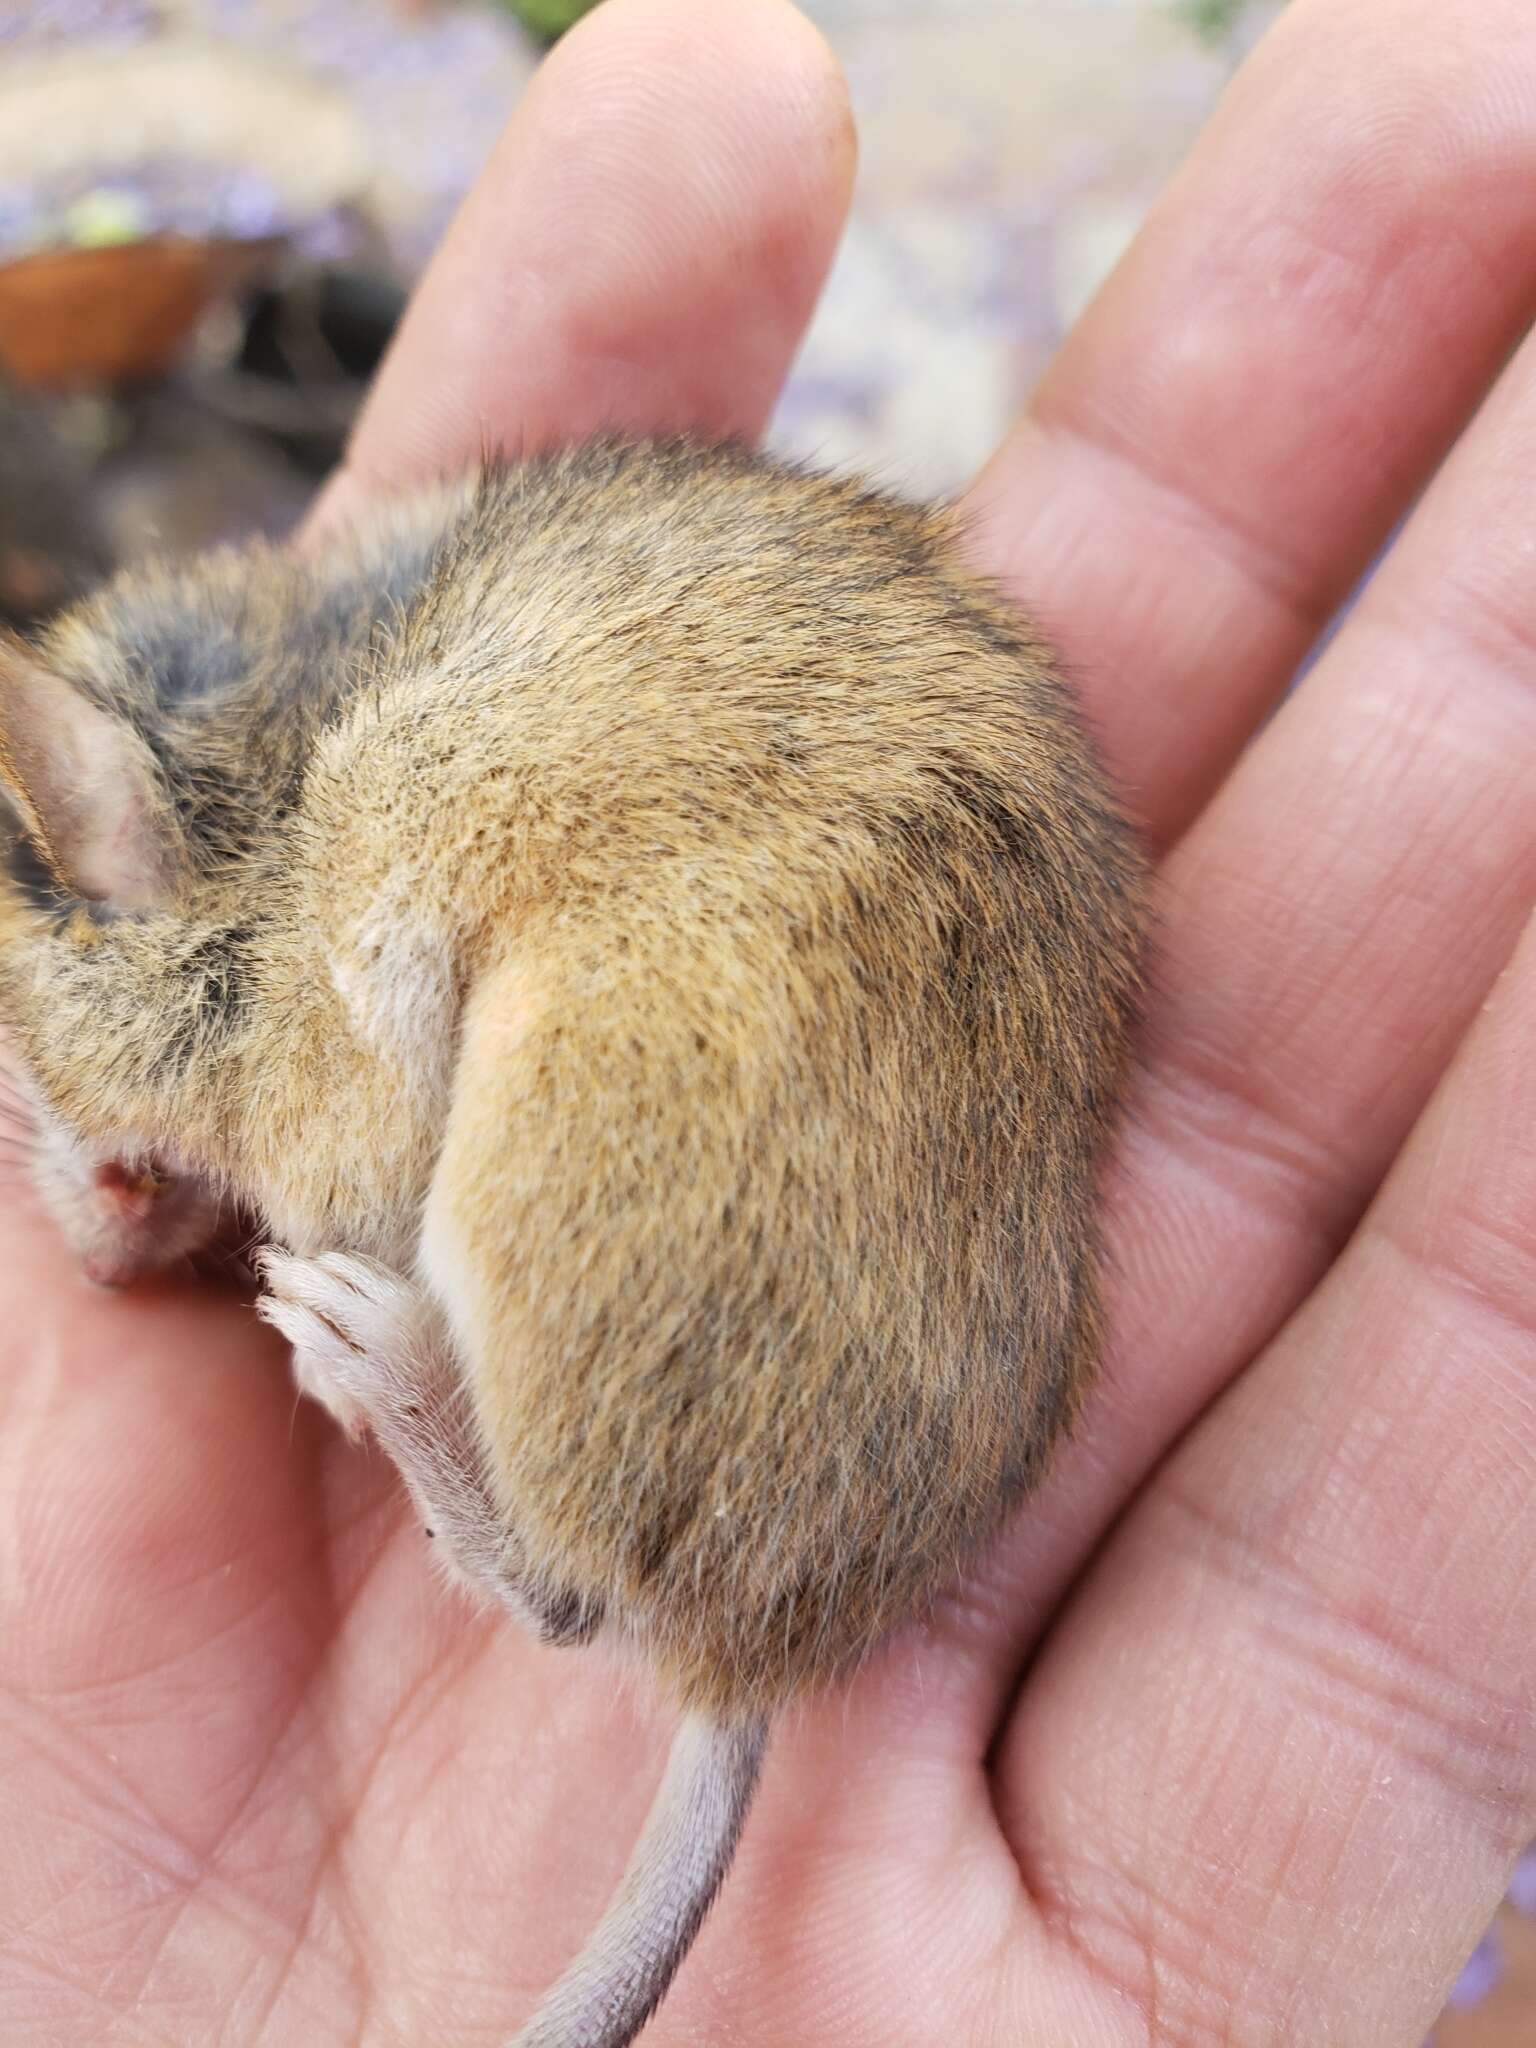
(646, 932)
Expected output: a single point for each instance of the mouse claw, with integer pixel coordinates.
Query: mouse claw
(300, 1305)
(378, 1353)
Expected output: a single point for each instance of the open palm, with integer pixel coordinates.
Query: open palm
(1231, 1741)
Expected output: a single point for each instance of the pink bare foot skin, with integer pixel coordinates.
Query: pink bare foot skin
(1231, 1741)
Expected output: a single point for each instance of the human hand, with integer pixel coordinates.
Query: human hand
(1268, 1761)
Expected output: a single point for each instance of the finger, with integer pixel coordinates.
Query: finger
(1278, 1762)
(1270, 376)
(1329, 928)
(642, 251)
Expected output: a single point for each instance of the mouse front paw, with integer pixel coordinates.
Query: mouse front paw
(378, 1353)
(355, 1328)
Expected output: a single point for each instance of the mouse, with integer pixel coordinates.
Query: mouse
(648, 933)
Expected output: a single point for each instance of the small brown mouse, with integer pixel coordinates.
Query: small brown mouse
(645, 931)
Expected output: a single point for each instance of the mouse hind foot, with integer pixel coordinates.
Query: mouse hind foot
(377, 1353)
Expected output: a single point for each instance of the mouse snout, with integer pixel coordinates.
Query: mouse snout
(128, 1193)
(124, 1216)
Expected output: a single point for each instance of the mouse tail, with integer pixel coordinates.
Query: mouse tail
(684, 1851)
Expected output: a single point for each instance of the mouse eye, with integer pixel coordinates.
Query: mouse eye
(85, 923)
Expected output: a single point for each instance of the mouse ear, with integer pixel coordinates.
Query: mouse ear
(84, 785)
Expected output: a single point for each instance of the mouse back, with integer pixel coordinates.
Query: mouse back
(804, 939)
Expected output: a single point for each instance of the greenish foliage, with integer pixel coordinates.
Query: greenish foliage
(1213, 17)
(548, 18)
(103, 220)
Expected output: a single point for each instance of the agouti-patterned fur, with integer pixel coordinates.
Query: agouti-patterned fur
(665, 905)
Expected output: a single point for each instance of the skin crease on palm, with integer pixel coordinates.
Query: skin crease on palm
(1231, 1741)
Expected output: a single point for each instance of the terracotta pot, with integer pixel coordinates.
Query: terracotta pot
(74, 318)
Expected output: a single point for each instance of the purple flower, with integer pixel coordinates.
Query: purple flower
(1522, 1886)
(1485, 1966)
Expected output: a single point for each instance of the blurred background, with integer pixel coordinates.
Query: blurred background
(211, 212)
